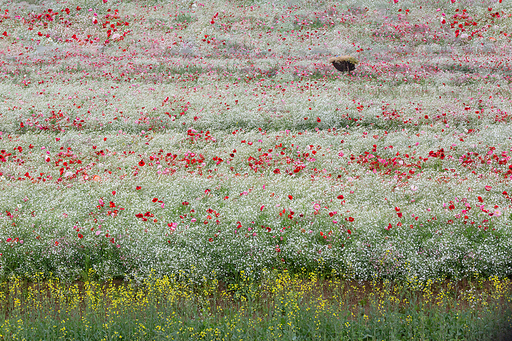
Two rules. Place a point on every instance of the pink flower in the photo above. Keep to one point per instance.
(488, 188)
(193, 220)
(497, 213)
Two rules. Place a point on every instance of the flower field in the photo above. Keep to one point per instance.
(205, 139)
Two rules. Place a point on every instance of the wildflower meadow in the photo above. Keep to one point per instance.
(192, 145)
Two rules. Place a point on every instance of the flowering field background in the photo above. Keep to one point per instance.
(203, 139)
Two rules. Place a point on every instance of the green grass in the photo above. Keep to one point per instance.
(275, 307)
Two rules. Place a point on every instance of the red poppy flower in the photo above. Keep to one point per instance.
(480, 199)
(399, 214)
(318, 119)
(397, 209)
(277, 171)
(113, 192)
(290, 197)
(340, 196)
(141, 163)
(155, 199)
(80, 236)
(138, 187)
(350, 219)
(349, 232)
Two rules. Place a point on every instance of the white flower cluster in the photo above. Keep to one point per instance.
(248, 150)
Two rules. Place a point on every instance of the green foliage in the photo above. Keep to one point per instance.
(276, 306)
